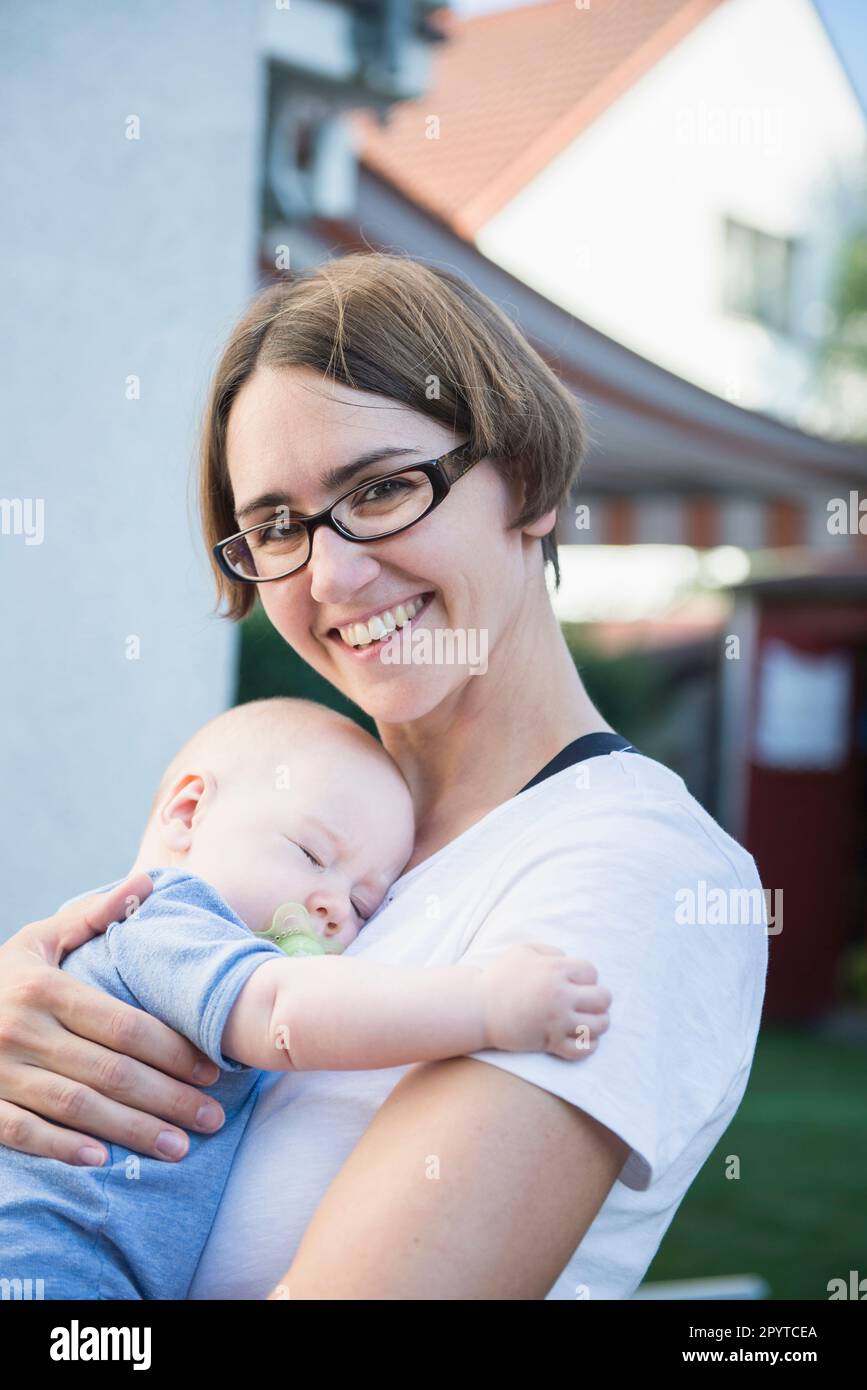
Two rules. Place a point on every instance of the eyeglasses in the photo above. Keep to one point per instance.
(371, 511)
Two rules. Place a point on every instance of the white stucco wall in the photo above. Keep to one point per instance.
(748, 116)
(119, 257)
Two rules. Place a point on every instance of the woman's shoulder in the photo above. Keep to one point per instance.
(625, 843)
(623, 801)
(629, 871)
(627, 778)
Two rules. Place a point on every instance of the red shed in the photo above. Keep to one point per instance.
(794, 791)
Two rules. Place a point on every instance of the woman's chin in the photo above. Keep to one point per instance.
(400, 699)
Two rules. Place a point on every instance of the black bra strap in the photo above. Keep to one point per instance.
(590, 746)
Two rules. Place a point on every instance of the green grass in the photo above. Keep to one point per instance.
(797, 1215)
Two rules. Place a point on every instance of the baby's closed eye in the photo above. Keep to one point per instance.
(304, 850)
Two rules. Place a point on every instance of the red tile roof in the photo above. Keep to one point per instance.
(512, 90)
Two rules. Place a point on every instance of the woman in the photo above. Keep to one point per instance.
(500, 1176)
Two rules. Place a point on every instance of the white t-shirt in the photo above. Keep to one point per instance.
(614, 861)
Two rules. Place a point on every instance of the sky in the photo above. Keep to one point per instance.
(846, 22)
(471, 7)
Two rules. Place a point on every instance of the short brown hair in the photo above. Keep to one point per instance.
(389, 324)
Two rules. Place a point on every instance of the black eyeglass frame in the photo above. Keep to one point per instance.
(441, 485)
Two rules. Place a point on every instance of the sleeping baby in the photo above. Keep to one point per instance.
(277, 831)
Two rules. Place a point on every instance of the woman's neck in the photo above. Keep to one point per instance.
(480, 746)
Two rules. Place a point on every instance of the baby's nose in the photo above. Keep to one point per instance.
(329, 911)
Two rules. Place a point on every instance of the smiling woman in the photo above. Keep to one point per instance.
(420, 338)
(376, 389)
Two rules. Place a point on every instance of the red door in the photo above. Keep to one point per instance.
(804, 825)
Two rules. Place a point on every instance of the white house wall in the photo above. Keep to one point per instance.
(624, 228)
(121, 258)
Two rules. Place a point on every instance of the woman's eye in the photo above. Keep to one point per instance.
(287, 535)
(389, 490)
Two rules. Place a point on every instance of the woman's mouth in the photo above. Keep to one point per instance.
(367, 639)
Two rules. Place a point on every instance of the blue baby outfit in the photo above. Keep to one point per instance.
(135, 1228)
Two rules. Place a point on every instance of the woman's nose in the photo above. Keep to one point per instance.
(338, 567)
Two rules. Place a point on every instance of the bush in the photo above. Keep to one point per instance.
(268, 666)
(630, 690)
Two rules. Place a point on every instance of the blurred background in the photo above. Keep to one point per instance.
(670, 198)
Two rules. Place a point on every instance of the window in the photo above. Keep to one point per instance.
(757, 275)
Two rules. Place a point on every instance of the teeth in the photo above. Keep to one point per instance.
(381, 625)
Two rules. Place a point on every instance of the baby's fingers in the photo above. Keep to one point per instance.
(572, 1047)
(580, 1037)
(592, 999)
(589, 1025)
(580, 972)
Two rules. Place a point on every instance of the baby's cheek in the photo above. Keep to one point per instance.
(348, 934)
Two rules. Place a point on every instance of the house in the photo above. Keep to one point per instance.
(681, 174)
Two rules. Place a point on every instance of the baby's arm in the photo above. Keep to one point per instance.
(339, 1013)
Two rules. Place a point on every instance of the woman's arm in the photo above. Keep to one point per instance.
(469, 1183)
(72, 1054)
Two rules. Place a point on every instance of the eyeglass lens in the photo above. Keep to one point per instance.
(370, 512)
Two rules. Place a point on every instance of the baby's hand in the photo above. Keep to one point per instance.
(537, 999)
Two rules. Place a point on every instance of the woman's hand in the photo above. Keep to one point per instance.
(72, 1054)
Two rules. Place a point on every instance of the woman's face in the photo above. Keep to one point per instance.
(287, 428)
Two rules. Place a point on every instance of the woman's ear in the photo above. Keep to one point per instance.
(182, 809)
(541, 526)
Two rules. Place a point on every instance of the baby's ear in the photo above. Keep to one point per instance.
(180, 808)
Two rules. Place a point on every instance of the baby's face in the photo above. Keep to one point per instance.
(330, 827)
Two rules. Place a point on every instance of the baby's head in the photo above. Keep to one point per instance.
(284, 801)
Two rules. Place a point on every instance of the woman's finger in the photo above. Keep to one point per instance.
(117, 1098)
(73, 1055)
(29, 1134)
(81, 1046)
(86, 1113)
(80, 1110)
(126, 1033)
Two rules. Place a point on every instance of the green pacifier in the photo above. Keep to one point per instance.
(292, 930)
